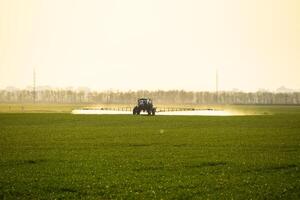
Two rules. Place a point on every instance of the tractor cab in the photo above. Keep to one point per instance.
(143, 102)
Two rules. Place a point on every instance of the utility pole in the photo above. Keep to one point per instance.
(217, 86)
(34, 86)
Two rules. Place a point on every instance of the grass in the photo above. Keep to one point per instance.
(64, 156)
(38, 108)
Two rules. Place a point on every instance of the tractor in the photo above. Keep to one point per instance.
(144, 105)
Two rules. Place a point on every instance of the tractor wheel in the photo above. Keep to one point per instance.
(153, 111)
(134, 112)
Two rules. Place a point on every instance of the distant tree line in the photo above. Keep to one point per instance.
(159, 97)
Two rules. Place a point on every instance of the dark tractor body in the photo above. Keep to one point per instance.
(144, 105)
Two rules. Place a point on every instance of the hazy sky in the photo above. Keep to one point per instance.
(151, 44)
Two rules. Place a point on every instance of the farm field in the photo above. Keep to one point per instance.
(64, 156)
(67, 108)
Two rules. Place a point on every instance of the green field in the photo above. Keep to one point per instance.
(64, 156)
